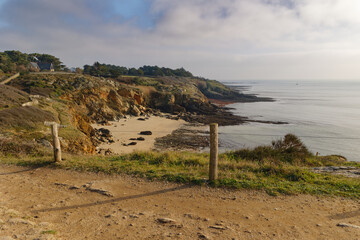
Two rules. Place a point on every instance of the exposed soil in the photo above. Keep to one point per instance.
(57, 204)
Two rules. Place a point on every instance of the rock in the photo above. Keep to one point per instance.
(141, 119)
(105, 132)
(203, 236)
(347, 225)
(218, 227)
(135, 111)
(29, 104)
(101, 191)
(132, 144)
(165, 220)
(133, 216)
(140, 139)
(146, 133)
(108, 152)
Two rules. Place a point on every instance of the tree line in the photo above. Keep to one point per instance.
(113, 71)
(16, 61)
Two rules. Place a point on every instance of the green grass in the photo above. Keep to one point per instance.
(53, 232)
(273, 176)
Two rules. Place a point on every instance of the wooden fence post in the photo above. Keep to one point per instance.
(56, 142)
(213, 166)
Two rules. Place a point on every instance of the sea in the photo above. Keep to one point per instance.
(324, 114)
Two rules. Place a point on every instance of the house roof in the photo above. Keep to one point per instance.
(34, 65)
(45, 66)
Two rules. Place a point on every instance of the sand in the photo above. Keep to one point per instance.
(37, 202)
(125, 129)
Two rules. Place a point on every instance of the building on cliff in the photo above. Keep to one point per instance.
(41, 66)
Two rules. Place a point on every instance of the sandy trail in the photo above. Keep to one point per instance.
(125, 129)
(33, 201)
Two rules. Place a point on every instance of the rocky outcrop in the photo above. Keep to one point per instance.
(107, 103)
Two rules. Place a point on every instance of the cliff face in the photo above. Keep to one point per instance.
(106, 103)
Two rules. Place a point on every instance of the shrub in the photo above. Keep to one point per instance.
(289, 149)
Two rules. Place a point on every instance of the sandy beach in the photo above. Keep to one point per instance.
(126, 129)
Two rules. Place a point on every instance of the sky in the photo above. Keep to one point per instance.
(217, 39)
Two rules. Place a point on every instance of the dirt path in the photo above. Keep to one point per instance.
(10, 78)
(36, 203)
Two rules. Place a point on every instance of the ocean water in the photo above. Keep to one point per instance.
(324, 114)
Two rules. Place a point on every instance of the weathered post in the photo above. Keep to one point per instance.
(56, 142)
(213, 168)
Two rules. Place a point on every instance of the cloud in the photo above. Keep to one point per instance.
(224, 39)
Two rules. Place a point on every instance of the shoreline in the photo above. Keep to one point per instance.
(124, 136)
(182, 132)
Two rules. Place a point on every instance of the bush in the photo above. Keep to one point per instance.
(289, 149)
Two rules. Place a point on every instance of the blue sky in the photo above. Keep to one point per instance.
(135, 9)
(220, 39)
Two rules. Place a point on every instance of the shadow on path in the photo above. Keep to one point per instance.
(20, 171)
(114, 200)
(345, 215)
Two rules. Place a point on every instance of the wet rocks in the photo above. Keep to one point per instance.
(103, 135)
(188, 137)
(145, 133)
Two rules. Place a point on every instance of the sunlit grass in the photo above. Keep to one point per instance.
(271, 175)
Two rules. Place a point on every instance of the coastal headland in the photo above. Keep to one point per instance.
(81, 101)
(133, 167)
